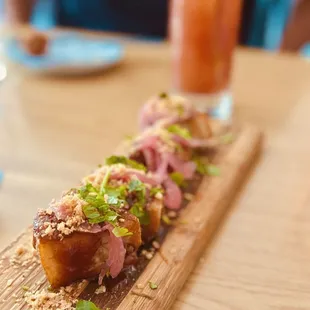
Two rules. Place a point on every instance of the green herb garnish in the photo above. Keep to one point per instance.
(213, 170)
(206, 168)
(121, 232)
(135, 186)
(25, 288)
(138, 188)
(155, 190)
(105, 181)
(152, 285)
(86, 305)
(180, 131)
(166, 219)
(177, 178)
(125, 161)
(97, 209)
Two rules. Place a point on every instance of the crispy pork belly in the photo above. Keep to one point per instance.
(82, 254)
(171, 109)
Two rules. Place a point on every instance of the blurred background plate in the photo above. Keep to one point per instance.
(69, 53)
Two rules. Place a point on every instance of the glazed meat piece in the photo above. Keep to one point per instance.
(95, 229)
(171, 109)
(86, 252)
(141, 192)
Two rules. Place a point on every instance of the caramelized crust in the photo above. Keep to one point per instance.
(79, 255)
(154, 210)
(198, 126)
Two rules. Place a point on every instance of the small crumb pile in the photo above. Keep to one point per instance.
(46, 300)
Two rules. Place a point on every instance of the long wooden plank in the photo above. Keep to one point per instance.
(20, 268)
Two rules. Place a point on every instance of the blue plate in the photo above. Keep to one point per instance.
(69, 53)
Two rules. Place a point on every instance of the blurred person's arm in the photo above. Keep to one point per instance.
(297, 32)
(18, 11)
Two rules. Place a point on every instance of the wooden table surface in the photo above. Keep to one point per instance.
(55, 130)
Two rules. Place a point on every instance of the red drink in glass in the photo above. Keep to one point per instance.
(203, 34)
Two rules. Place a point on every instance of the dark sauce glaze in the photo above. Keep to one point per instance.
(118, 288)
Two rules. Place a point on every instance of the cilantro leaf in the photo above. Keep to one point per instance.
(121, 232)
(125, 161)
(206, 169)
(86, 305)
(152, 285)
(177, 178)
(135, 186)
(91, 212)
(155, 190)
(166, 219)
(105, 181)
(180, 131)
(138, 210)
(213, 170)
(112, 200)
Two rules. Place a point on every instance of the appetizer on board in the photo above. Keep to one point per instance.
(172, 109)
(95, 229)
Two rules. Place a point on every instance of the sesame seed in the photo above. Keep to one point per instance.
(156, 244)
(149, 255)
(140, 285)
(172, 214)
(9, 282)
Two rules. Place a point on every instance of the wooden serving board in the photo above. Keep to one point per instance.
(179, 253)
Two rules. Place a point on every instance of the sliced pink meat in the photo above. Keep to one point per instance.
(186, 168)
(117, 253)
(173, 195)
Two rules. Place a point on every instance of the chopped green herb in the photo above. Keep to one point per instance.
(125, 161)
(25, 288)
(129, 137)
(99, 165)
(112, 200)
(86, 305)
(206, 169)
(121, 232)
(138, 210)
(163, 95)
(135, 185)
(152, 285)
(155, 190)
(177, 178)
(105, 181)
(91, 212)
(166, 219)
(180, 131)
(227, 138)
(97, 210)
(213, 170)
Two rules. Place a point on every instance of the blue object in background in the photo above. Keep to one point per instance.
(69, 49)
(1, 176)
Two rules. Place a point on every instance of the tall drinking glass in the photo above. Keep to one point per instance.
(203, 35)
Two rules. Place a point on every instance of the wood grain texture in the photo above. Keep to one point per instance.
(181, 248)
(184, 245)
(259, 259)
